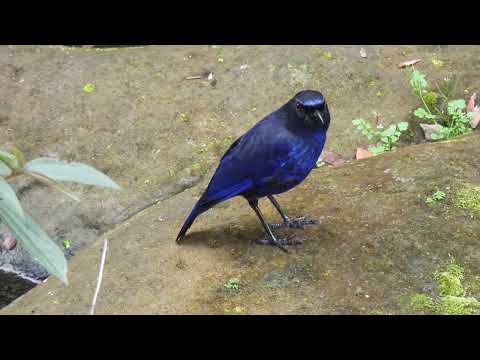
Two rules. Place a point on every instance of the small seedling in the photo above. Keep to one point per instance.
(327, 55)
(436, 196)
(451, 115)
(66, 244)
(88, 88)
(384, 139)
(232, 284)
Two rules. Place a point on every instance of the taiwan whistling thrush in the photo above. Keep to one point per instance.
(272, 157)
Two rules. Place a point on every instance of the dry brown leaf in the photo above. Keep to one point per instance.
(408, 63)
(331, 158)
(471, 103)
(363, 154)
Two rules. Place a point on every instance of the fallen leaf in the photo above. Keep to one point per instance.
(429, 129)
(471, 103)
(408, 63)
(363, 154)
(363, 53)
(195, 77)
(332, 158)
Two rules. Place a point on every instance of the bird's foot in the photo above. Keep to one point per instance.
(296, 223)
(280, 242)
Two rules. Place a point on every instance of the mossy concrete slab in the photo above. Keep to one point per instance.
(158, 134)
(378, 243)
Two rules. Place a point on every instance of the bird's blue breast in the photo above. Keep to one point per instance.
(291, 166)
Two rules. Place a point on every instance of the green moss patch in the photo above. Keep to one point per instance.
(468, 197)
(452, 300)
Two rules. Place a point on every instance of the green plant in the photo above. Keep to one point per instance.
(50, 172)
(458, 122)
(436, 196)
(384, 139)
(88, 88)
(232, 284)
(452, 299)
(450, 115)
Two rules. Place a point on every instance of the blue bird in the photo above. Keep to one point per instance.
(272, 157)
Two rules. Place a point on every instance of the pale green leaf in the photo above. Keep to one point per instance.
(37, 243)
(423, 114)
(76, 172)
(377, 149)
(402, 126)
(456, 105)
(9, 159)
(4, 169)
(8, 199)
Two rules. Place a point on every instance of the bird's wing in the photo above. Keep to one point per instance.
(256, 154)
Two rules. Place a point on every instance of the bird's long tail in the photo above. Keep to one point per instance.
(208, 201)
(197, 210)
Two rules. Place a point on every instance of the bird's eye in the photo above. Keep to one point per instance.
(299, 107)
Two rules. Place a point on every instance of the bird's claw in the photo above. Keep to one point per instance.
(280, 242)
(296, 223)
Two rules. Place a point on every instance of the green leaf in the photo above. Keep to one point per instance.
(358, 121)
(88, 88)
(390, 131)
(439, 195)
(423, 114)
(402, 126)
(418, 81)
(377, 149)
(8, 199)
(10, 160)
(4, 169)
(37, 243)
(456, 105)
(76, 172)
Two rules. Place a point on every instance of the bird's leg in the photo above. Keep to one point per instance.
(272, 239)
(296, 223)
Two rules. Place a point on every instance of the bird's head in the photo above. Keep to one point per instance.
(310, 107)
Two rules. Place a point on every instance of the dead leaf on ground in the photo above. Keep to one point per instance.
(408, 63)
(363, 154)
(332, 158)
(471, 107)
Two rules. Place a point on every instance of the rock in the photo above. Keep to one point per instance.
(429, 129)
